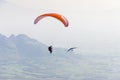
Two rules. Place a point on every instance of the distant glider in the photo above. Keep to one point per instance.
(54, 15)
(71, 49)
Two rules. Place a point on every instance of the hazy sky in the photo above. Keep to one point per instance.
(94, 24)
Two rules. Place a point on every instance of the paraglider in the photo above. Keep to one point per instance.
(57, 16)
(50, 49)
(54, 15)
(71, 49)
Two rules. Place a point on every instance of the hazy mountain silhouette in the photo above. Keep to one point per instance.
(2, 1)
(16, 47)
(21, 46)
(8, 49)
(28, 47)
(24, 58)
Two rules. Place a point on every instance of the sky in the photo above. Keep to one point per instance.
(93, 24)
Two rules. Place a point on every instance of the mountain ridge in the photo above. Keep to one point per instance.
(23, 46)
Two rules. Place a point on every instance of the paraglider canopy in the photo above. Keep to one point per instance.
(54, 15)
